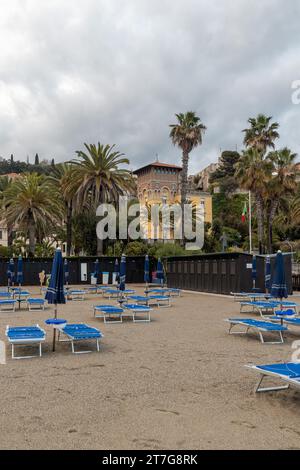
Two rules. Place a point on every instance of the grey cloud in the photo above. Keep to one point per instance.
(74, 71)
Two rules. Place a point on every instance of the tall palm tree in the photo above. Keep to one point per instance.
(32, 203)
(187, 134)
(98, 178)
(253, 172)
(282, 184)
(262, 133)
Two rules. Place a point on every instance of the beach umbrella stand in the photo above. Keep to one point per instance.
(279, 287)
(122, 285)
(254, 272)
(160, 272)
(147, 274)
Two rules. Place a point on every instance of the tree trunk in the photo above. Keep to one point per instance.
(31, 236)
(272, 213)
(260, 221)
(99, 247)
(184, 186)
(69, 228)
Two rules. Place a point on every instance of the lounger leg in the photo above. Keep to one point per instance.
(259, 389)
(98, 345)
(12, 351)
(40, 349)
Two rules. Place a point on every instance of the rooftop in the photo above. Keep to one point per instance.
(160, 165)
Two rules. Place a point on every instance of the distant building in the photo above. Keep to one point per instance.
(159, 183)
(201, 179)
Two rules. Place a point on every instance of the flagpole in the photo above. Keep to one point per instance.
(250, 223)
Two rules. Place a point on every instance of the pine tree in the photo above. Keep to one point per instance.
(36, 160)
(11, 159)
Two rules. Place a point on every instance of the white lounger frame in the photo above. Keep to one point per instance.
(257, 329)
(136, 313)
(72, 340)
(26, 342)
(35, 307)
(5, 306)
(264, 374)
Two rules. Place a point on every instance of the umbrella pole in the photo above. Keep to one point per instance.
(54, 329)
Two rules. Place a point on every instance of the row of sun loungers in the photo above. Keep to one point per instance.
(35, 336)
(277, 318)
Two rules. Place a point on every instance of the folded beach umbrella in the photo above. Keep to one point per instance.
(66, 271)
(96, 270)
(55, 292)
(147, 270)
(268, 273)
(117, 270)
(254, 271)
(20, 271)
(11, 272)
(122, 273)
(160, 271)
(279, 288)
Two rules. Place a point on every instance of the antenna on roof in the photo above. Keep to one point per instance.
(157, 158)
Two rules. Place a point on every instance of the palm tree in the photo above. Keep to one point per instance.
(187, 134)
(98, 178)
(262, 133)
(63, 178)
(32, 203)
(282, 184)
(253, 172)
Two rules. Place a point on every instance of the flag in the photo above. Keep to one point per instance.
(244, 214)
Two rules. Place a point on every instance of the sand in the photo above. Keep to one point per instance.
(176, 383)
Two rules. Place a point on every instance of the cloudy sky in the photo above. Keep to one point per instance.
(75, 71)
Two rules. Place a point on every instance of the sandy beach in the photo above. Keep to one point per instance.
(176, 383)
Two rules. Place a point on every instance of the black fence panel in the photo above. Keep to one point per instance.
(221, 273)
(80, 269)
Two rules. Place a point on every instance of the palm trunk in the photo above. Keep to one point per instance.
(272, 213)
(184, 185)
(69, 228)
(260, 221)
(31, 236)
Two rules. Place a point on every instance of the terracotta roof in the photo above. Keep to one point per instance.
(159, 165)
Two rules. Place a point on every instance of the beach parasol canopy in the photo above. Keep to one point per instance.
(147, 270)
(254, 271)
(268, 273)
(66, 271)
(122, 273)
(117, 270)
(279, 288)
(55, 292)
(11, 272)
(160, 271)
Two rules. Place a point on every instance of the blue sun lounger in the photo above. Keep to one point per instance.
(109, 313)
(259, 327)
(136, 311)
(8, 305)
(250, 296)
(80, 332)
(25, 336)
(288, 373)
(36, 304)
